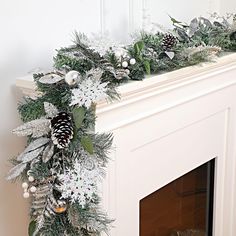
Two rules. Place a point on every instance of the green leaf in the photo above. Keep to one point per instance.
(31, 228)
(87, 144)
(147, 67)
(74, 139)
(78, 115)
(137, 50)
(138, 47)
(174, 21)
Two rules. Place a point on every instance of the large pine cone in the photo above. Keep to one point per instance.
(62, 130)
(168, 42)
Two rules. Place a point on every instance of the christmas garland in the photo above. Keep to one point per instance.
(65, 159)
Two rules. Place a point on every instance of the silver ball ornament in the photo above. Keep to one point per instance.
(72, 77)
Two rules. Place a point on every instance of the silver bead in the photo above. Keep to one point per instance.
(124, 64)
(31, 179)
(33, 189)
(26, 195)
(25, 185)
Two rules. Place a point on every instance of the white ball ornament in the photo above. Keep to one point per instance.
(124, 64)
(132, 61)
(72, 77)
(33, 189)
(31, 179)
(26, 195)
(25, 185)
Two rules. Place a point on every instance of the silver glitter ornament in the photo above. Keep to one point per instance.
(72, 77)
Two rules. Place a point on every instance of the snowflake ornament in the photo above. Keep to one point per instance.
(89, 91)
(79, 184)
(101, 43)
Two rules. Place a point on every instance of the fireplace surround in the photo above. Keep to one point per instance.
(164, 127)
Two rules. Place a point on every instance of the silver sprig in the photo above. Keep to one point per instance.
(50, 110)
(36, 128)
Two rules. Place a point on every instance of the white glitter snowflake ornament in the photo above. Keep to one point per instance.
(101, 43)
(79, 184)
(89, 91)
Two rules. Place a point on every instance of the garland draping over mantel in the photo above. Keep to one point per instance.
(65, 158)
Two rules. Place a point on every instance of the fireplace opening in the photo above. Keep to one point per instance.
(183, 207)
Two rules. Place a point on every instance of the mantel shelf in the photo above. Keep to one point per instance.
(136, 92)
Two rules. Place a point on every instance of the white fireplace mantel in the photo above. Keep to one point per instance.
(164, 127)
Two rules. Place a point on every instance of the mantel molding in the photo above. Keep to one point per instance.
(160, 88)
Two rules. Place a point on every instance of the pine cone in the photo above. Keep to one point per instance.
(168, 42)
(62, 130)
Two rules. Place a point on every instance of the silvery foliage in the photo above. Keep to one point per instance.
(90, 90)
(42, 205)
(41, 147)
(39, 127)
(30, 156)
(201, 22)
(50, 110)
(121, 74)
(16, 171)
(51, 78)
(36, 128)
(223, 21)
(185, 32)
(33, 151)
(94, 225)
(209, 51)
(48, 152)
(171, 54)
(79, 184)
(196, 24)
(40, 223)
(88, 161)
(34, 145)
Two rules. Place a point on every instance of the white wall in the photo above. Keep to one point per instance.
(31, 30)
